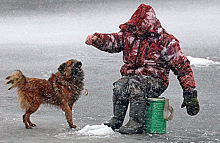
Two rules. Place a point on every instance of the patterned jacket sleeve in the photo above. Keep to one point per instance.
(180, 65)
(111, 43)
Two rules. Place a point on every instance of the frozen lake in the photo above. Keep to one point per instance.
(37, 37)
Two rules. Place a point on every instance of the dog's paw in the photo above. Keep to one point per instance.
(28, 127)
(33, 125)
(73, 126)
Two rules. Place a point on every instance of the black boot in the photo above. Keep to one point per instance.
(119, 110)
(135, 124)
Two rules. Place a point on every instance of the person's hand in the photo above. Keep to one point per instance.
(191, 102)
(90, 39)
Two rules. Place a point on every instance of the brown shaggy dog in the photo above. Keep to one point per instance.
(61, 89)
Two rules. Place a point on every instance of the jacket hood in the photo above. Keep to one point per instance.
(145, 18)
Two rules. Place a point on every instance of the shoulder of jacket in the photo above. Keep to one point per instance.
(166, 39)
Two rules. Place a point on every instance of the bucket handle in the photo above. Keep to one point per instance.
(166, 109)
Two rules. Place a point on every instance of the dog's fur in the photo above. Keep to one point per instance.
(61, 89)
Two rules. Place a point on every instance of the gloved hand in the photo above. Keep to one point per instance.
(191, 102)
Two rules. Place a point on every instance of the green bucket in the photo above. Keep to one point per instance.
(154, 121)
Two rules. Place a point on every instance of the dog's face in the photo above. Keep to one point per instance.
(72, 68)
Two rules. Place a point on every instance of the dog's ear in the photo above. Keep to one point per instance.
(62, 67)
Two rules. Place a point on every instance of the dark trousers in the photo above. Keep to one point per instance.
(137, 87)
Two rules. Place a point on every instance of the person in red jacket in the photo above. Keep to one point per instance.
(149, 53)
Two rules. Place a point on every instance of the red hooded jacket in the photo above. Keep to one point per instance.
(153, 54)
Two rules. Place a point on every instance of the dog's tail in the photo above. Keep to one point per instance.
(17, 79)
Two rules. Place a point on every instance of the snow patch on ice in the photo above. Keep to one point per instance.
(96, 130)
(93, 131)
(200, 62)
